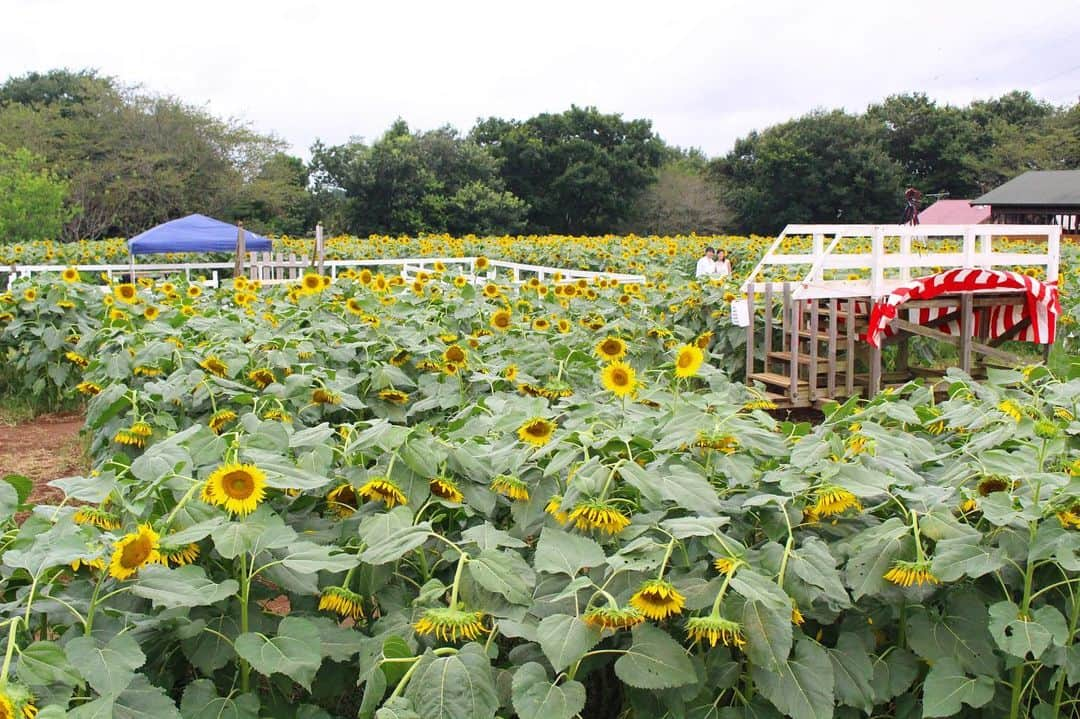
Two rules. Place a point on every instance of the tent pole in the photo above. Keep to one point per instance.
(238, 269)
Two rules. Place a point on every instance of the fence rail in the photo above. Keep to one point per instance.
(888, 268)
(275, 268)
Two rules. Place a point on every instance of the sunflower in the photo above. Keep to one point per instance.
(540, 324)
(762, 404)
(510, 373)
(239, 488)
(30, 294)
(342, 500)
(134, 551)
(384, 490)
(221, 418)
(510, 487)
(16, 701)
(324, 396)
(393, 396)
(704, 339)
(1010, 408)
(262, 377)
(727, 565)
(365, 276)
(832, 500)
(126, 293)
(658, 599)
(450, 625)
(726, 443)
(482, 263)
(214, 366)
(126, 437)
(1064, 414)
(611, 349)
(276, 415)
(77, 359)
(454, 354)
(554, 508)
(88, 388)
(619, 378)
(905, 574)
(797, 617)
(598, 514)
(70, 274)
(178, 556)
(342, 601)
(311, 284)
(536, 431)
(399, 358)
(613, 618)
(501, 320)
(715, 630)
(445, 488)
(556, 389)
(97, 517)
(993, 483)
(1070, 517)
(688, 361)
(563, 325)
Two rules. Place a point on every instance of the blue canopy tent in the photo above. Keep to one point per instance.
(195, 233)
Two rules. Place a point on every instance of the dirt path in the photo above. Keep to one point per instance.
(43, 449)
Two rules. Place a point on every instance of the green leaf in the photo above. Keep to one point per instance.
(201, 701)
(686, 488)
(186, 586)
(397, 708)
(459, 686)
(965, 557)
(86, 489)
(109, 669)
(535, 697)
(958, 632)
(308, 558)
(43, 663)
(390, 535)
(487, 536)
(876, 548)
(947, 687)
(853, 672)
(768, 633)
(294, 651)
(340, 643)
(654, 661)
(565, 639)
(560, 552)
(260, 531)
(803, 687)
(22, 485)
(1022, 636)
(504, 573)
(894, 673)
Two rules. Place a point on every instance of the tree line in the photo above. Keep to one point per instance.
(85, 156)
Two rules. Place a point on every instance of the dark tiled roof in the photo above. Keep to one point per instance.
(1048, 188)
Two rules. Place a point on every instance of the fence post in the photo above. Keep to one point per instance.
(320, 249)
(241, 242)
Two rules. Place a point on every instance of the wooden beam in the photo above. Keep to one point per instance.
(849, 375)
(812, 376)
(768, 322)
(1010, 333)
(796, 322)
(967, 321)
(830, 377)
(751, 321)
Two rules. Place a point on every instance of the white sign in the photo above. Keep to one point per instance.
(740, 316)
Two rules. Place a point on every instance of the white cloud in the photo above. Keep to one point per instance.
(704, 72)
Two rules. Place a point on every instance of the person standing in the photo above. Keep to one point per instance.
(723, 264)
(706, 265)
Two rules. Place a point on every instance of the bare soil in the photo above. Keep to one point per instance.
(43, 449)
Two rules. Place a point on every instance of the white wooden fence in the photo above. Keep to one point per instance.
(272, 268)
(892, 255)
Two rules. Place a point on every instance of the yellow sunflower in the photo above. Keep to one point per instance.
(613, 618)
(126, 293)
(598, 514)
(511, 487)
(393, 396)
(262, 377)
(611, 349)
(134, 551)
(239, 488)
(324, 396)
(454, 354)
(501, 320)
(445, 488)
(715, 630)
(451, 625)
(342, 601)
(833, 500)
(619, 378)
(658, 599)
(536, 431)
(383, 489)
(70, 274)
(688, 361)
(905, 574)
(214, 366)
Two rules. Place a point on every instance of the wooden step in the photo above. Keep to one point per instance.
(777, 380)
(804, 360)
(822, 336)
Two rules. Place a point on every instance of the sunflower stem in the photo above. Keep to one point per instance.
(183, 500)
(664, 561)
(8, 652)
(245, 591)
(457, 579)
(720, 596)
(920, 555)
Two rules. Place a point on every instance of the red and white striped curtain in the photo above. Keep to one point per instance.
(1042, 306)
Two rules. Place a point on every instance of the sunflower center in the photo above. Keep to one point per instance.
(537, 429)
(238, 484)
(135, 553)
(619, 378)
(685, 360)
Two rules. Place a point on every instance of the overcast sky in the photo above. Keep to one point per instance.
(705, 73)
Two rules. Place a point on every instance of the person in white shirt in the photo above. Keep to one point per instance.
(723, 264)
(707, 265)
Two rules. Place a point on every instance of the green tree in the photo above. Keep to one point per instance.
(277, 199)
(580, 171)
(681, 201)
(822, 167)
(413, 182)
(132, 159)
(31, 198)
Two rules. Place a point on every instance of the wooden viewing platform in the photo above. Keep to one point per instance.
(805, 338)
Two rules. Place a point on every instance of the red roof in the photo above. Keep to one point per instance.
(954, 212)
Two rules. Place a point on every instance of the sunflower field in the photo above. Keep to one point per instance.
(367, 498)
